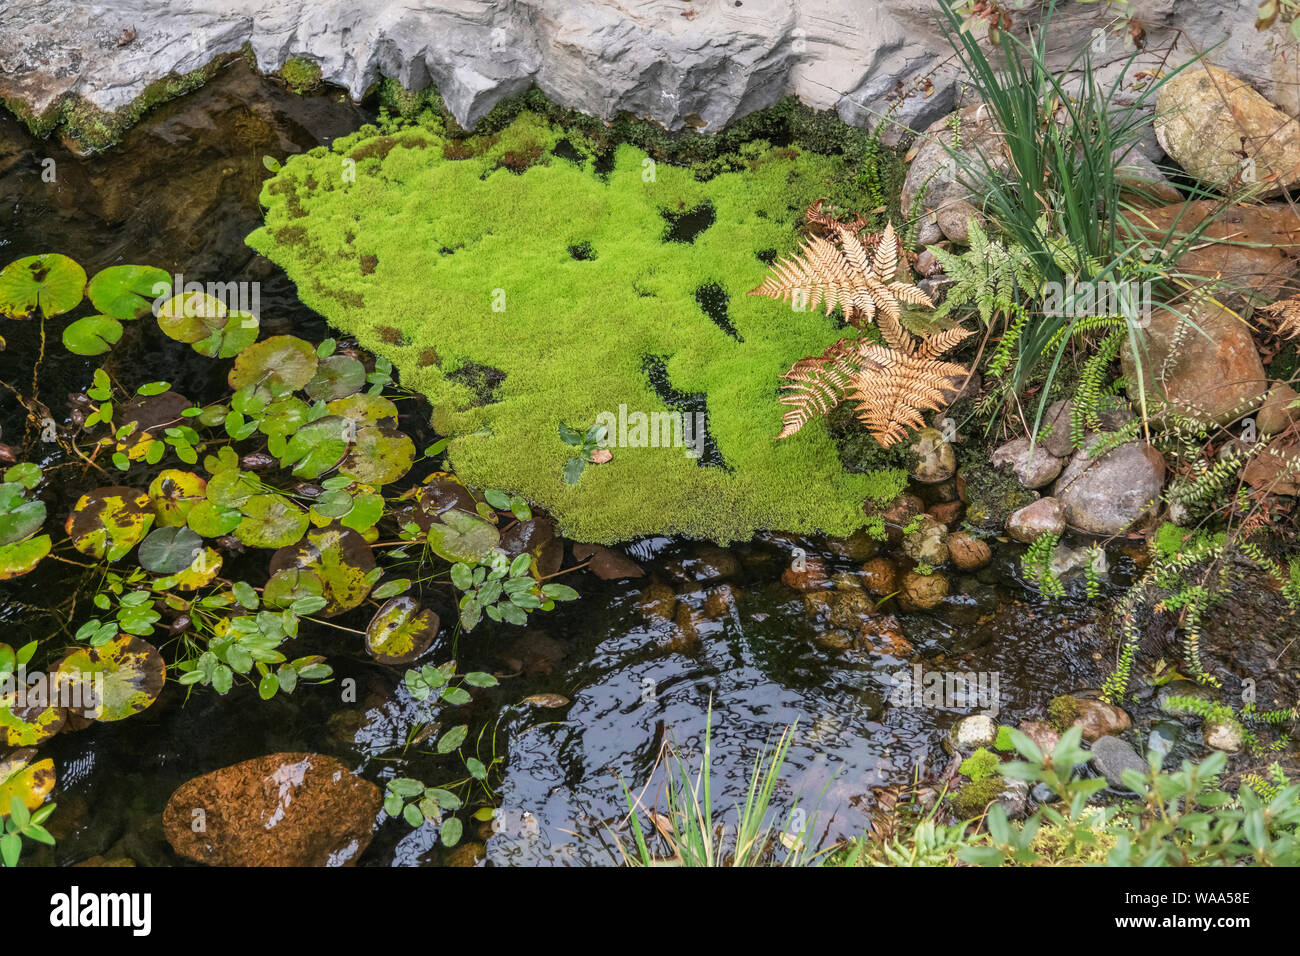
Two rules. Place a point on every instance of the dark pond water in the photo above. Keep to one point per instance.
(181, 192)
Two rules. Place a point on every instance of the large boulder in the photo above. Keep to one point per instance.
(286, 809)
(1204, 365)
(1111, 494)
(1031, 522)
(1207, 118)
(1035, 467)
(1251, 249)
(935, 178)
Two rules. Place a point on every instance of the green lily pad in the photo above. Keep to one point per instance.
(20, 777)
(169, 550)
(379, 456)
(401, 631)
(239, 332)
(92, 335)
(29, 724)
(365, 514)
(50, 282)
(108, 522)
(213, 520)
(283, 360)
(460, 536)
(22, 556)
(128, 292)
(118, 679)
(282, 417)
(191, 317)
(271, 521)
(341, 559)
(173, 493)
(230, 489)
(317, 447)
(19, 517)
(337, 376)
(364, 409)
(289, 584)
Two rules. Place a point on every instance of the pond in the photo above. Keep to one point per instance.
(635, 662)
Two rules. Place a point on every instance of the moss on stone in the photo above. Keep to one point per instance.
(979, 765)
(300, 74)
(90, 129)
(973, 798)
(469, 239)
(1062, 711)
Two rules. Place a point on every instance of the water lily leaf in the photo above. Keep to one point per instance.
(191, 317)
(380, 456)
(169, 550)
(92, 335)
(149, 415)
(20, 777)
(365, 514)
(230, 489)
(284, 416)
(460, 536)
(271, 521)
(401, 631)
(213, 520)
(19, 517)
(22, 556)
(127, 292)
(26, 473)
(364, 409)
(317, 447)
(108, 522)
(340, 558)
(283, 360)
(289, 585)
(239, 332)
(117, 680)
(50, 282)
(337, 376)
(29, 724)
(173, 493)
(200, 573)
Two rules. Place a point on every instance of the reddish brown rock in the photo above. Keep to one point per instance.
(1250, 248)
(1276, 415)
(286, 809)
(1041, 734)
(807, 574)
(947, 513)
(607, 564)
(1274, 469)
(719, 601)
(968, 552)
(880, 577)
(921, 592)
(1099, 719)
(897, 516)
(657, 601)
(884, 635)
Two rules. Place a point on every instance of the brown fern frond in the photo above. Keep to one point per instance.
(892, 384)
(1287, 316)
(935, 345)
(819, 383)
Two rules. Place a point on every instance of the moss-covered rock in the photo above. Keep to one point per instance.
(462, 244)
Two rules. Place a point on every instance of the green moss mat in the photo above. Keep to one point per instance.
(441, 256)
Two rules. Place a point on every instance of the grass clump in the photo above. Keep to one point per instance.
(464, 245)
(300, 74)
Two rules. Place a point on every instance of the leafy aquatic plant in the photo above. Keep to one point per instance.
(301, 460)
